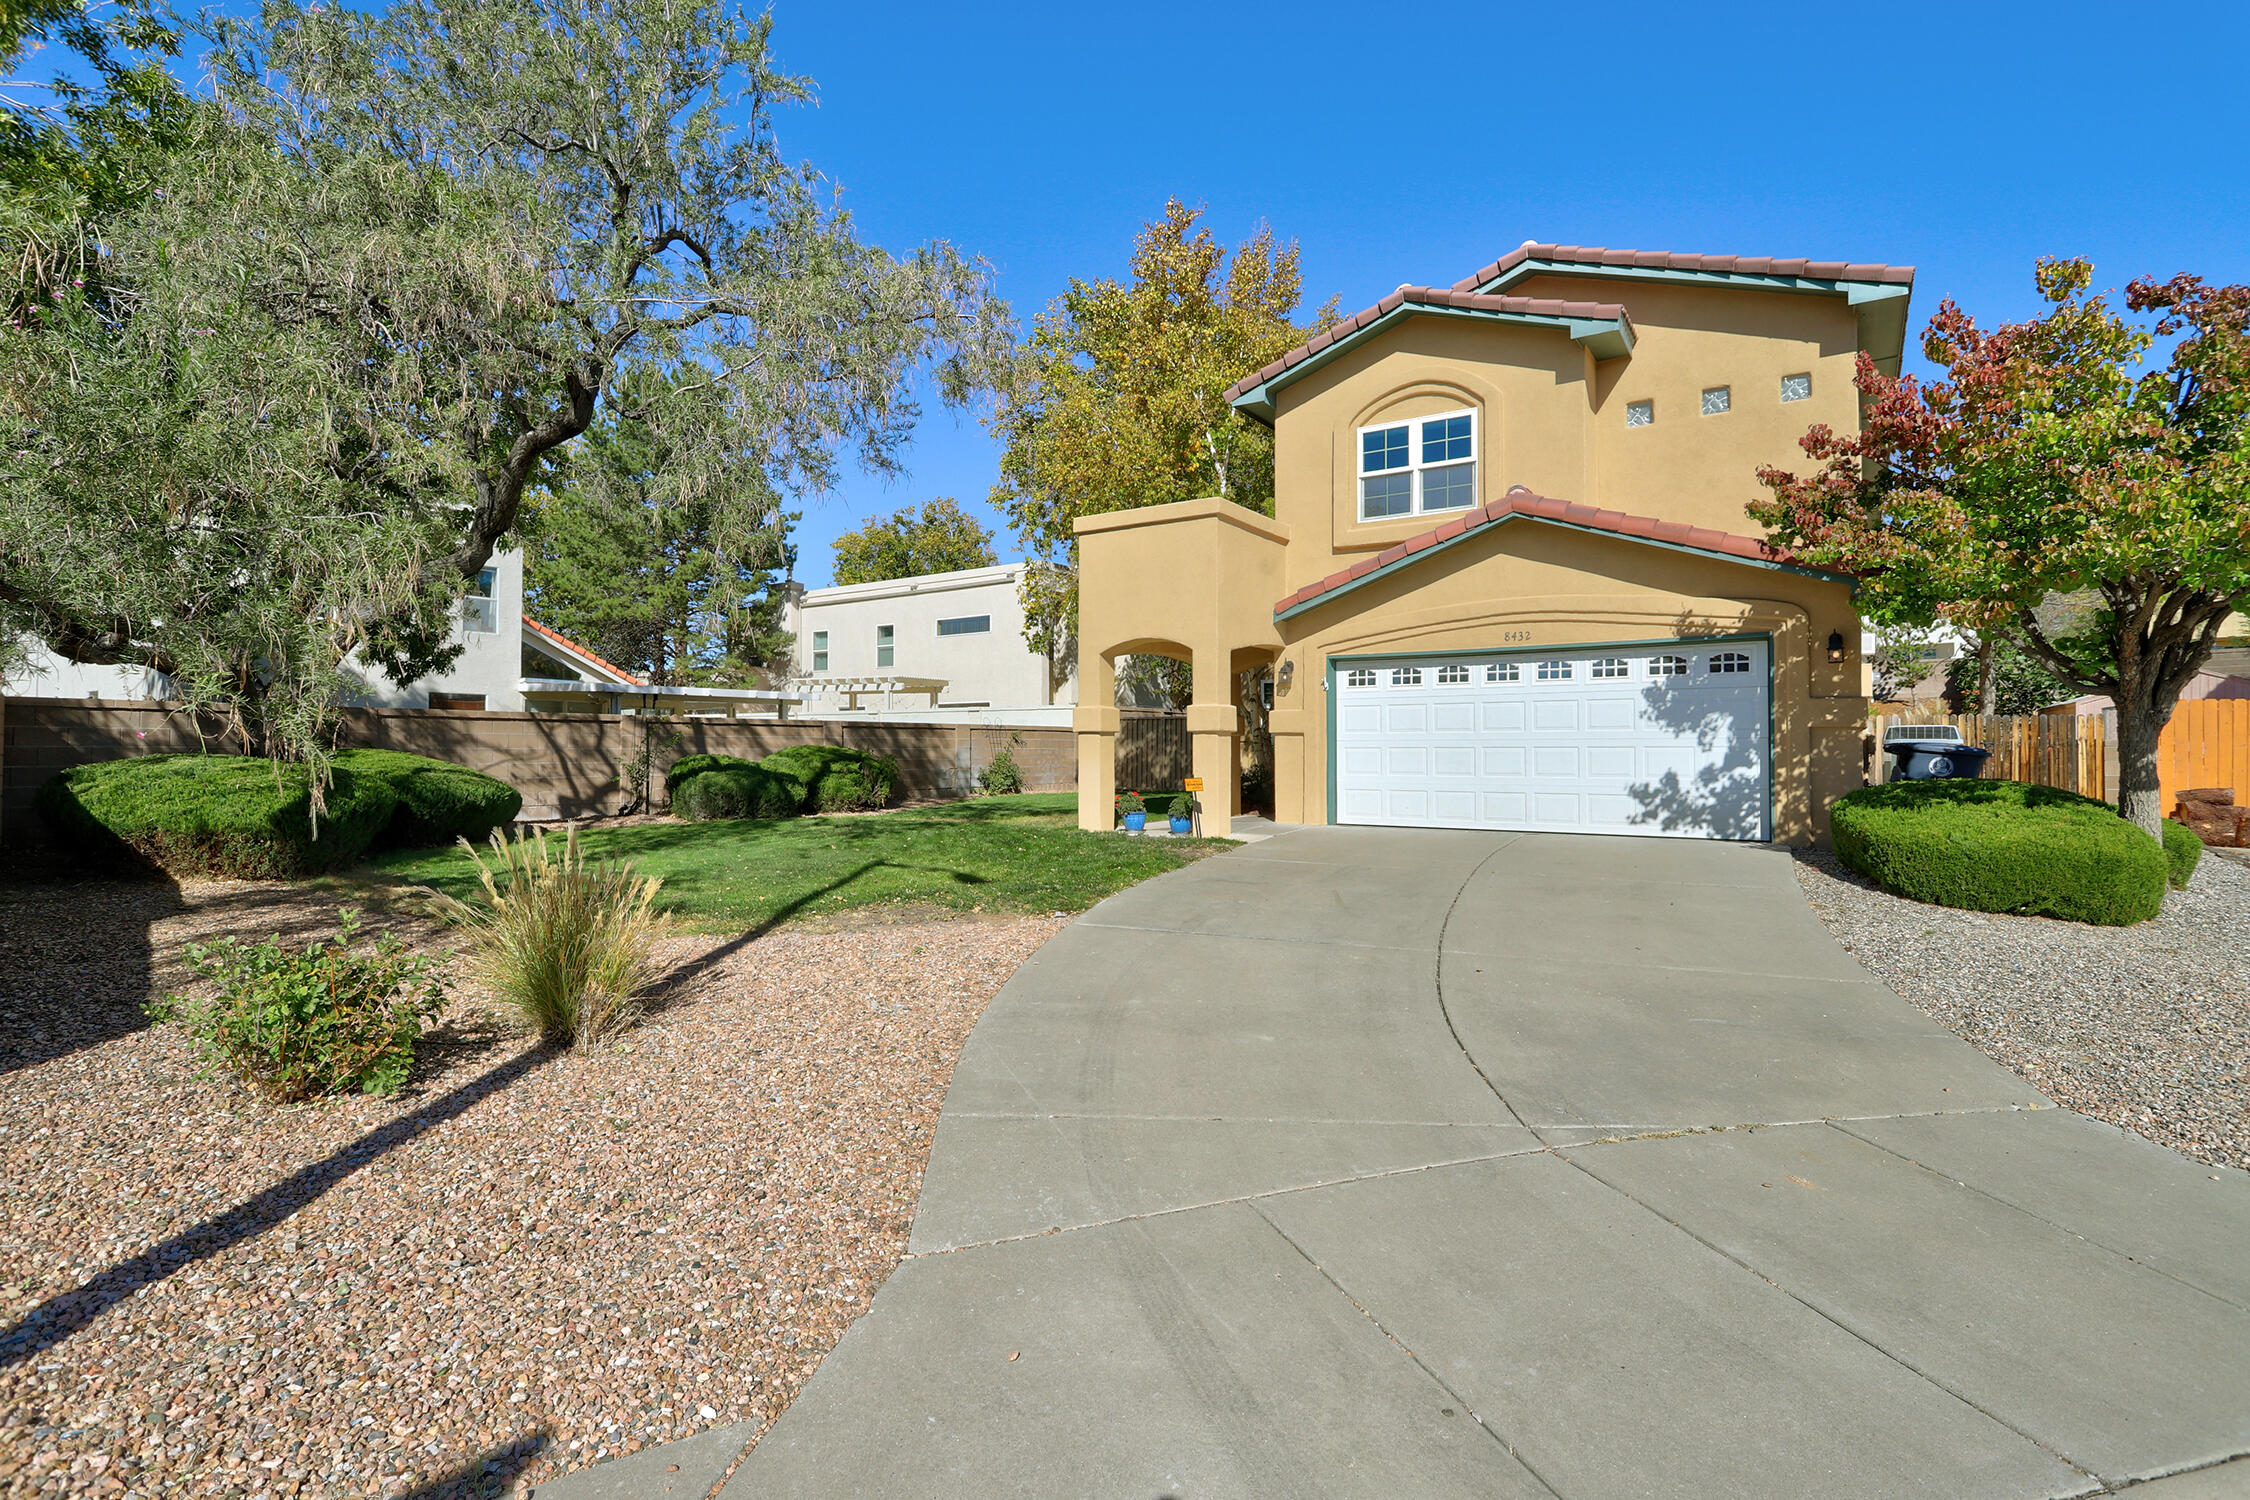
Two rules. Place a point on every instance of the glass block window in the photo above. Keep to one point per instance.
(1640, 413)
(1503, 671)
(1729, 661)
(1796, 387)
(1718, 400)
(1406, 677)
(1667, 666)
(820, 651)
(1611, 666)
(885, 638)
(1453, 674)
(1411, 468)
(965, 625)
(1360, 677)
(1554, 671)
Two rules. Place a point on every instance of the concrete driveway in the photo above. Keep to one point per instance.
(1388, 1163)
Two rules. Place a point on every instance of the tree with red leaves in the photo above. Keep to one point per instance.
(2045, 461)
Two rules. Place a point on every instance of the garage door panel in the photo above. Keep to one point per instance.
(1455, 760)
(1502, 718)
(1611, 713)
(1454, 807)
(1361, 718)
(1611, 813)
(1407, 806)
(1612, 762)
(1504, 760)
(1453, 718)
(1560, 761)
(1555, 713)
(1555, 808)
(1505, 808)
(1407, 718)
(1362, 760)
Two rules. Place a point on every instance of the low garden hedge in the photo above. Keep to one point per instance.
(2182, 852)
(689, 765)
(234, 816)
(731, 788)
(436, 801)
(2003, 846)
(836, 779)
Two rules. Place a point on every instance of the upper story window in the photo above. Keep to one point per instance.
(1418, 467)
(885, 636)
(1718, 400)
(1796, 387)
(965, 625)
(1640, 413)
(820, 651)
(480, 612)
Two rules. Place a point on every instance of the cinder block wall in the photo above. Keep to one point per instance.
(566, 765)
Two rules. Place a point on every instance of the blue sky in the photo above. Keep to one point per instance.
(1415, 143)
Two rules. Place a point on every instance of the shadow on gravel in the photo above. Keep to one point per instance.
(488, 1474)
(65, 1313)
(76, 963)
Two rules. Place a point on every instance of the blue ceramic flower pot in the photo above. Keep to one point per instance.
(1182, 826)
(1135, 822)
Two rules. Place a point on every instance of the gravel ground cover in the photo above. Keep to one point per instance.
(2147, 1027)
(522, 1265)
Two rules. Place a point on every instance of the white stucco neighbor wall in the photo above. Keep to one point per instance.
(990, 668)
(490, 662)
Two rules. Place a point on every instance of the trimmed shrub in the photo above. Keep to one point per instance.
(2002, 846)
(2183, 851)
(1001, 777)
(437, 801)
(836, 779)
(571, 946)
(738, 789)
(233, 816)
(691, 765)
(326, 1019)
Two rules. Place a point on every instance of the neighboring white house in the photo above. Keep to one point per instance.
(939, 645)
(484, 676)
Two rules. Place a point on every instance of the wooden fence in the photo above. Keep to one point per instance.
(1152, 751)
(2206, 744)
(2069, 751)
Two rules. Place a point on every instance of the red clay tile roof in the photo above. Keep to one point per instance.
(1428, 296)
(1594, 256)
(617, 673)
(1522, 502)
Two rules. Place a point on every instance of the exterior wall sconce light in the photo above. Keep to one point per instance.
(1288, 670)
(1836, 646)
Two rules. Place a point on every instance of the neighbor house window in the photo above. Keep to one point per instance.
(884, 636)
(471, 703)
(480, 612)
(1717, 400)
(1796, 387)
(1640, 413)
(966, 625)
(1409, 468)
(820, 651)
(1730, 661)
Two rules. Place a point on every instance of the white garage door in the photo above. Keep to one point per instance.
(1665, 740)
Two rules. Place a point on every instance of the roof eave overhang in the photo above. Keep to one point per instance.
(1604, 338)
(1881, 305)
(1412, 558)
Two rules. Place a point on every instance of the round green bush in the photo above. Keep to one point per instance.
(2183, 851)
(738, 789)
(836, 779)
(2002, 846)
(437, 801)
(690, 765)
(228, 815)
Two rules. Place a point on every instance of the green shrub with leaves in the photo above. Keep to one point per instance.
(331, 1017)
(570, 945)
(436, 801)
(2002, 846)
(234, 816)
(2183, 851)
(1001, 777)
(837, 779)
(692, 765)
(738, 789)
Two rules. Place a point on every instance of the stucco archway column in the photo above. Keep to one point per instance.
(1213, 725)
(1095, 720)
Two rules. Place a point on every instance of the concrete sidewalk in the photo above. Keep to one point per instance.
(1428, 1163)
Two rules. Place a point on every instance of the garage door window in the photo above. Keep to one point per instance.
(1360, 677)
(1667, 666)
(1554, 671)
(1730, 661)
(1453, 674)
(1420, 467)
(1503, 671)
(1407, 677)
(1611, 666)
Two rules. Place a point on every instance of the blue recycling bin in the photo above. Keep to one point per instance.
(1934, 760)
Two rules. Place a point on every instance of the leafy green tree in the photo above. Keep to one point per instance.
(2043, 462)
(380, 292)
(677, 593)
(2012, 681)
(939, 538)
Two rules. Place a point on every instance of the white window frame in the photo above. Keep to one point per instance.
(820, 651)
(1360, 677)
(1414, 467)
(886, 646)
(480, 610)
(1728, 663)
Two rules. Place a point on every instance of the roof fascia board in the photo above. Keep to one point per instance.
(1412, 558)
(1609, 338)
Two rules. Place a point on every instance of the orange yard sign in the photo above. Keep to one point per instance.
(1193, 784)
(2206, 744)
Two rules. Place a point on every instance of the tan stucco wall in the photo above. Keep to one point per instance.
(1523, 584)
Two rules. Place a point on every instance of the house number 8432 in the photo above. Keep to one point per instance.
(1515, 635)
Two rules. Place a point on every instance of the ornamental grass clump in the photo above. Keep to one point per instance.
(328, 1018)
(571, 945)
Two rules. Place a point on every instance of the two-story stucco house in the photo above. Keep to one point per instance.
(1510, 580)
(936, 640)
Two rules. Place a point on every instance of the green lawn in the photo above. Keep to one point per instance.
(1001, 854)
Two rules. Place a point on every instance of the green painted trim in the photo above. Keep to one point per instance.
(1393, 566)
(1773, 666)
(1763, 280)
(1257, 402)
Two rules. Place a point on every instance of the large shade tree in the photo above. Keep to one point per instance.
(406, 259)
(939, 537)
(2050, 457)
